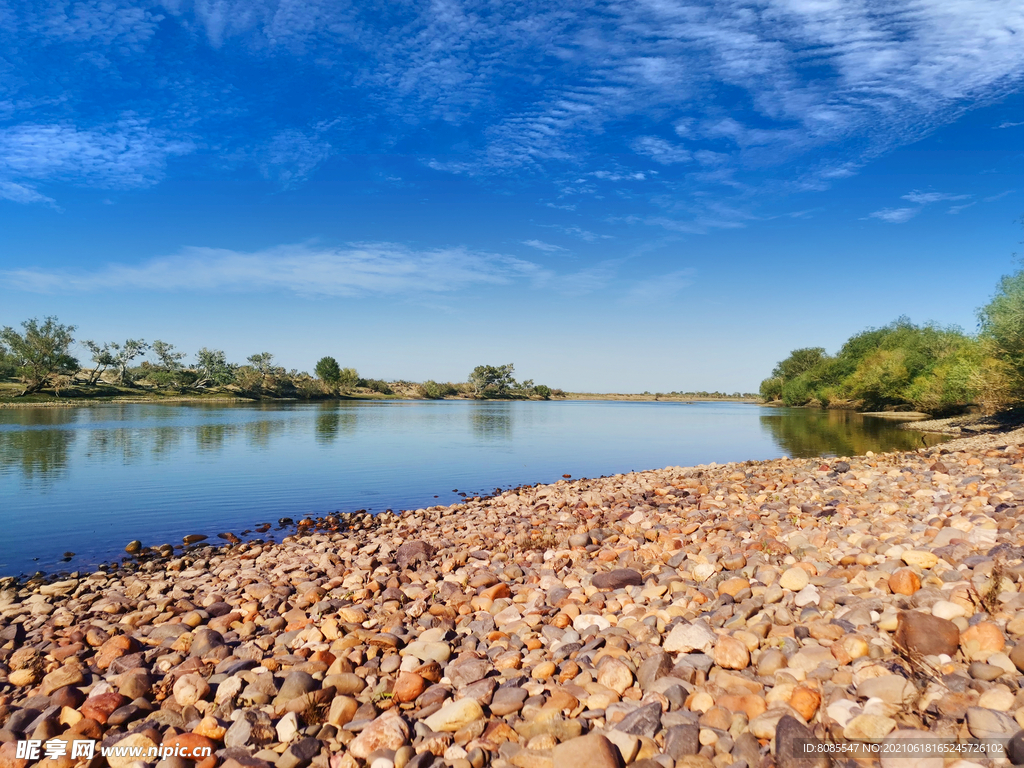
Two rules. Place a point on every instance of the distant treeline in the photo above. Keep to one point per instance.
(39, 357)
(927, 368)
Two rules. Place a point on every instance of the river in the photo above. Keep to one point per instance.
(88, 480)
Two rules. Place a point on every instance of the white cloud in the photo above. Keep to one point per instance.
(291, 156)
(954, 209)
(1009, 125)
(895, 215)
(540, 245)
(924, 198)
(19, 193)
(360, 269)
(661, 151)
(122, 155)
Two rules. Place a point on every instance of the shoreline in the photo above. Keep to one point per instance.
(688, 617)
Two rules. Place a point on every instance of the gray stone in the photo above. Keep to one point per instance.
(655, 666)
(681, 740)
(644, 721)
(617, 579)
(789, 734)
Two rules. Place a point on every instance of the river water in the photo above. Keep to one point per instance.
(88, 480)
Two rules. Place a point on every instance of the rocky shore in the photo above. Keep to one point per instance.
(706, 617)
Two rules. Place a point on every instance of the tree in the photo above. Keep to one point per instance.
(491, 380)
(348, 378)
(41, 352)
(213, 368)
(101, 357)
(328, 371)
(167, 357)
(7, 367)
(123, 355)
(1002, 326)
(799, 361)
(262, 363)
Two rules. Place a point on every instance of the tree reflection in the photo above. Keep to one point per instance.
(490, 423)
(210, 437)
(810, 432)
(258, 433)
(36, 453)
(331, 423)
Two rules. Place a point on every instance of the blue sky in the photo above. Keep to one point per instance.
(615, 196)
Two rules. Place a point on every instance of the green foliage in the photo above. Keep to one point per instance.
(7, 365)
(771, 389)
(1002, 328)
(41, 354)
(799, 361)
(926, 367)
(212, 368)
(102, 358)
(123, 354)
(376, 385)
(167, 356)
(328, 371)
(542, 390)
(491, 380)
(432, 390)
(348, 378)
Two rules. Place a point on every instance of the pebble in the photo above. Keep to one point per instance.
(682, 617)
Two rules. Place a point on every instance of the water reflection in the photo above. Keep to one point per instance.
(36, 454)
(165, 440)
(489, 423)
(332, 423)
(811, 432)
(259, 433)
(210, 438)
(114, 443)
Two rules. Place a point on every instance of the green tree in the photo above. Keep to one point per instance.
(213, 368)
(102, 359)
(263, 364)
(1002, 327)
(799, 361)
(123, 354)
(167, 356)
(41, 353)
(328, 371)
(492, 380)
(7, 366)
(348, 378)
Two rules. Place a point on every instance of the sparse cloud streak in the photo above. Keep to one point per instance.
(357, 270)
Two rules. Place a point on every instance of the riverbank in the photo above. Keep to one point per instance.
(658, 397)
(700, 617)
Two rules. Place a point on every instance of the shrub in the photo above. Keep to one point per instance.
(432, 390)
(543, 390)
(328, 371)
(377, 385)
(771, 389)
(1002, 328)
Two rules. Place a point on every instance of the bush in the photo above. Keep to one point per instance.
(432, 390)
(927, 367)
(328, 371)
(543, 390)
(376, 385)
(771, 389)
(1002, 328)
(348, 378)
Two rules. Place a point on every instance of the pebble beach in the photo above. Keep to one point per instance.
(715, 616)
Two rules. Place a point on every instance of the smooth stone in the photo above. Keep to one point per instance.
(592, 751)
(685, 638)
(455, 715)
